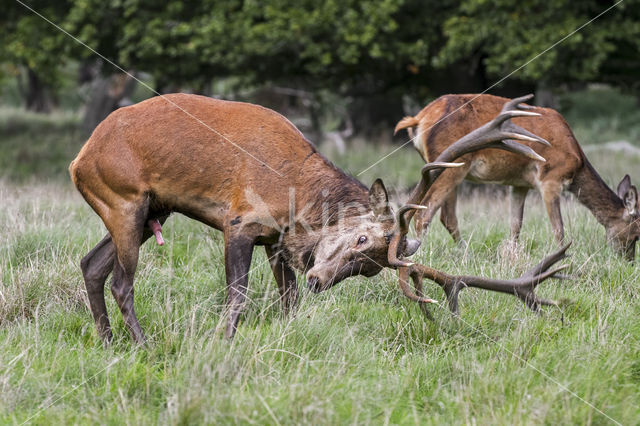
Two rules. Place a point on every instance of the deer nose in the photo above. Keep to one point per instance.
(411, 247)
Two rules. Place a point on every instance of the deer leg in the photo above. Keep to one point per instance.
(518, 197)
(237, 262)
(286, 280)
(96, 267)
(439, 192)
(127, 228)
(551, 196)
(449, 219)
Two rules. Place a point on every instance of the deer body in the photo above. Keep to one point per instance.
(260, 178)
(566, 167)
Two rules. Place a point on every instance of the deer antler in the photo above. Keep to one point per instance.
(523, 287)
(498, 133)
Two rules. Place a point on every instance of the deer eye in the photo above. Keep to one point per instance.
(362, 240)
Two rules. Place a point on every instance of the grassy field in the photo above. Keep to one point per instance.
(359, 353)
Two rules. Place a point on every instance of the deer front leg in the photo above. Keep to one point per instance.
(551, 195)
(237, 262)
(286, 280)
(449, 218)
(518, 198)
(437, 195)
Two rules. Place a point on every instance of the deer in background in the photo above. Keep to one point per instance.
(566, 167)
(228, 165)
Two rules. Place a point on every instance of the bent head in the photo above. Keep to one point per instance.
(624, 232)
(358, 245)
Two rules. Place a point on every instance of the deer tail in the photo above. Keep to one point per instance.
(406, 123)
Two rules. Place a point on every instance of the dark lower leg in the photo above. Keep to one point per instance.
(286, 280)
(518, 197)
(553, 210)
(122, 290)
(448, 216)
(237, 259)
(96, 267)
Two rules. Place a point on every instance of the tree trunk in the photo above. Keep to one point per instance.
(545, 97)
(107, 95)
(373, 116)
(37, 96)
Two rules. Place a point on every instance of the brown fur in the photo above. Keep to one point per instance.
(450, 117)
(148, 160)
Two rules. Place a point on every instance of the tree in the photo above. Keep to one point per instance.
(509, 33)
(352, 48)
(35, 48)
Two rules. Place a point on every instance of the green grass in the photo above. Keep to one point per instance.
(358, 353)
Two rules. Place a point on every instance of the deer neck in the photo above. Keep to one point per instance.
(596, 195)
(324, 197)
(325, 194)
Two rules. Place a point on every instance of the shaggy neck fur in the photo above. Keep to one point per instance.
(325, 195)
(594, 193)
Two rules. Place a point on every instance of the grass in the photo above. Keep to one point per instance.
(359, 353)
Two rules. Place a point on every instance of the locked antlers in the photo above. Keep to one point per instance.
(499, 133)
(522, 287)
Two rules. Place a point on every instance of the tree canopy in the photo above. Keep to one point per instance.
(349, 47)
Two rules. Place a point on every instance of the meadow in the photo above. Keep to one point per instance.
(359, 353)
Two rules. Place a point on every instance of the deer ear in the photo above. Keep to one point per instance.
(631, 200)
(379, 199)
(624, 186)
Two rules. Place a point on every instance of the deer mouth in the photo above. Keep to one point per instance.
(314, 284)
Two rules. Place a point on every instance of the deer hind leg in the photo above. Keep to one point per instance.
(286, 280)
(551, 196)
(437, 195)
(127, 227)
(518, 198)
(96, 267)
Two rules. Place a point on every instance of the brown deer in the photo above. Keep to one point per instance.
(247, 171)
(449, 117)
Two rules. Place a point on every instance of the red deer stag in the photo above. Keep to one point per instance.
(450, 117)
(231, 166)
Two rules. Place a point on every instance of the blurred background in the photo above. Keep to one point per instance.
(343, 71)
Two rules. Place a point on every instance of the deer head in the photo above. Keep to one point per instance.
(624, 231)
(357, 244)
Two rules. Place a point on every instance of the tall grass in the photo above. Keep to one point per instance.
(359, 353)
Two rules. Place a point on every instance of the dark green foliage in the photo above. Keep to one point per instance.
(355, 48)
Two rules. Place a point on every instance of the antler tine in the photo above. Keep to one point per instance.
(402, 228)
(406, 289)
(402, 223)
(515, 147)
(515, 103)
(405, 213)
(522, 287)
(545, 263)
